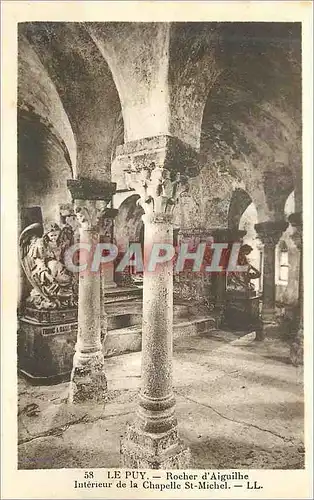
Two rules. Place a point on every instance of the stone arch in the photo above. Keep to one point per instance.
(84, 80)
(28, 114)
(287, 259)
(289, 207)
(247, 221)
(240, 200)
(128, 222)
(137, 54)
(251, 120)
(44, 165)
(278, 184)
(42, 99)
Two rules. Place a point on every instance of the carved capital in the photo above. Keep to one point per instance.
(90, 214)
(270, 232)
(158, 218)
(106, 223)
(90, 202)
(158, 192)
(167, 152)
(297, 225)
(228, 235)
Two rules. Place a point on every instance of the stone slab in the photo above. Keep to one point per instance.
(52, 316)
(45, 352)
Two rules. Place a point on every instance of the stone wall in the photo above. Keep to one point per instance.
(43, 169)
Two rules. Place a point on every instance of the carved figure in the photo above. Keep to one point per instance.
(242, 281)
(42, 259)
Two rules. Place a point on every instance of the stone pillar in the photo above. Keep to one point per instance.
(269, 233)
(152, 441)
(156, 401)
(106, 236)
(296, 351)
(88, 380)
(219, 280)
(107, 269)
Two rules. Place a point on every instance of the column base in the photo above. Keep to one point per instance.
(296, 349)
(145, 450)
(88, 381)
(268, 327)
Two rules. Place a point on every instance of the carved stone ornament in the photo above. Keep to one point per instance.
(297, 225)
(90, 213)
(42, 258)
(158, 193)
(270, 232)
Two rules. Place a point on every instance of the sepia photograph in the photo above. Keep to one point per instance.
(159, 242)
(167, 132)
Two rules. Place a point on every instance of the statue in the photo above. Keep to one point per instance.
(242, 281)
(42, 259)
(242, 310)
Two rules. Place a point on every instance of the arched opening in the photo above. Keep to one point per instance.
(239, 203)
(282, 264)
(289, 207)
(247, 223)
(287, 262)
(43, 168)
(283, 249)
(243, 289)
(37, 95)
(128, 229)
(84, 82)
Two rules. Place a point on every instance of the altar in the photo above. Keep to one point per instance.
(242, 299)
(46, 342)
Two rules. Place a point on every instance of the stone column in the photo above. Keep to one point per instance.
(107, 269)
(88, 380)
(156, 401)
(152, 441)
(219, 280)
(296, 351)
(269, 233)
(106, 236)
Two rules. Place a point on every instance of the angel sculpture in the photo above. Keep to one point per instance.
(42, 259)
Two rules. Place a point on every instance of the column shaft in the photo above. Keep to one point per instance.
(269, 233)
(152, 441)
(88, 339)
(156, 390)
(269, 288)
(88, 380)
(297, 349)
(106, 270)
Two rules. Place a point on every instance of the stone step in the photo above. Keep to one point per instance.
(123, 320)
(124, 314)
(129, 339)
(122, 294)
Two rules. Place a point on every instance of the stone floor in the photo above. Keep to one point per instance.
(239, 405)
